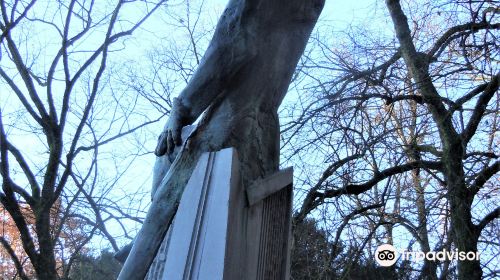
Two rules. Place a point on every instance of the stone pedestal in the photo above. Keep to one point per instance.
(222, 231)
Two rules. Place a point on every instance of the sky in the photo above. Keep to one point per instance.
(163, 30)
(340, 14)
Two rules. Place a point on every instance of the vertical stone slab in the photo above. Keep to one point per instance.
(218, 234)
(158, 265)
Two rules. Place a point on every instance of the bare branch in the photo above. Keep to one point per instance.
(26, 77)
(315, 198)
(483, 176)
(35, 188)
(21, 97)
(117, 136)
(488, 219)
(418, 66)
(457, 31)
(480, 108)
(12, 254)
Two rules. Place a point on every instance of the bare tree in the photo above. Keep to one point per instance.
(52, 128)
(406, 125)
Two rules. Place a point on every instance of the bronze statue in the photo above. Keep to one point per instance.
(238, 86)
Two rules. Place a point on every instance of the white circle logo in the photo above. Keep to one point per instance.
(386, 255)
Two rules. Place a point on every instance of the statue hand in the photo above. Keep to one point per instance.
(171, 135)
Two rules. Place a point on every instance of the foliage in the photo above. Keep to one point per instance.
(312, 258)
(103, 267)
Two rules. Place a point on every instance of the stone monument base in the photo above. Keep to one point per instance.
(223, 231)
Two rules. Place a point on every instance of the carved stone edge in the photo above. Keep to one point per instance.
(269, 185)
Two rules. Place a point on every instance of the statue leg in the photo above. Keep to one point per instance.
(160, 169)
(162, 165)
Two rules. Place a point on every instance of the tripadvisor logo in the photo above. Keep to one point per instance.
(387, 255)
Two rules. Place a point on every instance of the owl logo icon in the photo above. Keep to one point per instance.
(386, 255)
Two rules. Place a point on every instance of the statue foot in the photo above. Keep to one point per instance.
(122, 254)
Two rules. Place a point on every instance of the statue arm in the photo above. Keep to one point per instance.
(230, 49)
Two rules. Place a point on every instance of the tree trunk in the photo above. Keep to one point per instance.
(244, 113)
(45, 266)
(429, 269)
(464, 232)
(465, 236)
